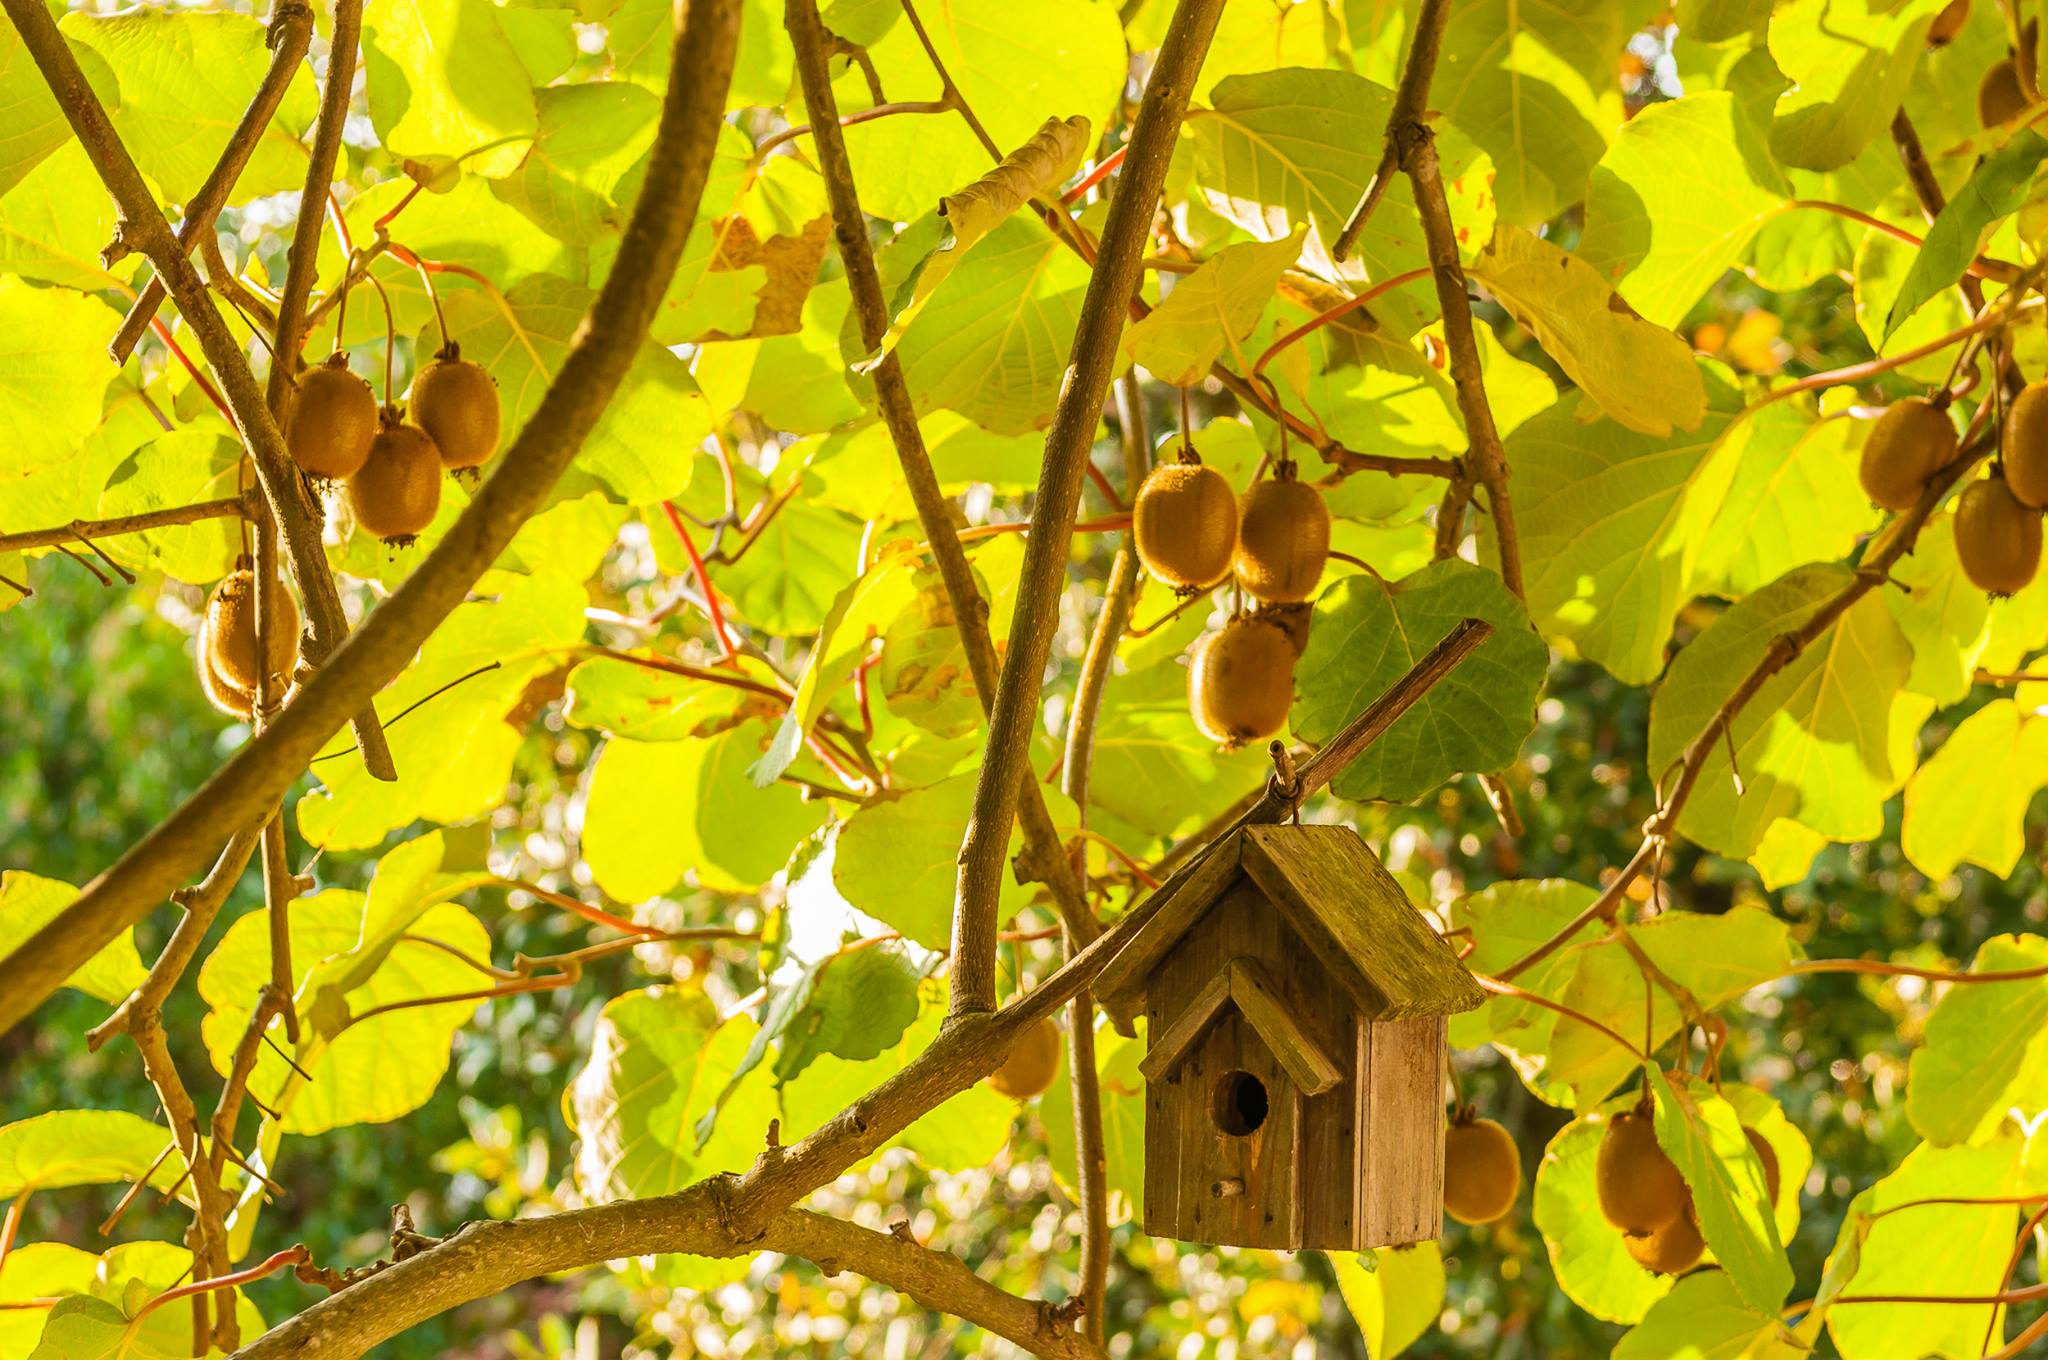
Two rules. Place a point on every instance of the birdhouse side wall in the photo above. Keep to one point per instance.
(1304, 1199)
(1398, 1093)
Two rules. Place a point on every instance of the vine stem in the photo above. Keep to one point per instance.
(1111, 286)
(847, 120)
(248, 784)
(712, 607)
(1101, 171)
(1324, 318)
(228, 507)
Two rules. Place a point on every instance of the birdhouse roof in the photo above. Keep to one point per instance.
(1338, 897)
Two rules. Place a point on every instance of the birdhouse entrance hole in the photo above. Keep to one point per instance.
(1240, 1106)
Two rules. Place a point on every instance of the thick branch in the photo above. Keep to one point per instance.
(249, 783)
(291, 32)
(1042, 853)
(90, 529)
(486, 1258)
(1118, 268)
(142, 226)
(303, 262)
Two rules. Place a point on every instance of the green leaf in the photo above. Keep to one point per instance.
(1616, 522)
(28, 902)
(1368, 633)
(1211, 310)
(1152, 769)
(443, 81)
(1763, 1116)
(1592, 1265)
(656, 809)
(1676, 200)
(65, 1148)
(1849, 62)
(363, 1071)
(1122, 1089)
(1968, 802)
(193, 463)
(83, 1328)
(1397, 1302)
(793, 574)
(53, 375)
(38, 1271)
(54, 223)
(1640, 374)
(1824, 742)
(656, 1060)
(1704, 1317)
(1944, 616)
(454, 751)
(1979, 1040)
(610, 695)
(1794, 499)
(858, 1006)
(1701, 1133)
(185, 80)
(31, 123)
(1533, 84)
(1508, 920)
(1946, 1249)
(576, 180)
(1994, 191)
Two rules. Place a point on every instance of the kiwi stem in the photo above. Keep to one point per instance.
(433, 296)
(1324, 318)
(390, 341)
(712, 607)
(847, 120)
(1101, 171)
(1500, 988)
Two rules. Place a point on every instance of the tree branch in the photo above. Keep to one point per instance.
(1111, 286)
(1042, 854)
(291, 32)
(744, 1210)
(256, 776)
(141, 225)
(90, 529)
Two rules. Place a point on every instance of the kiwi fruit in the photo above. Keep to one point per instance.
(1292, 619)
(2000, 96)
(1948, 24)
(1998, 537)
(456, 403)
(1482, 1170)
(1912, 440)
(334, 418)
(2025, 451)
(1028, 1068)
(1768, 1155)
(1283, 539)
(1671, 1250)
(1185, 523)
(221, 692)
(1640, 1188)
(229, 635)
(1242, 681)
(397, 491)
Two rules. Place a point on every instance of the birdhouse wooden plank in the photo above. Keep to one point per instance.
(1296, 1004)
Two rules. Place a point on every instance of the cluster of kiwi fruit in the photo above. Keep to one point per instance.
(1193, 532)
(228, 665)
(1643, 1194)
(1998, 518)
(391, 467)
(2012, 85)
(1482, 1168)
(1029, 1066)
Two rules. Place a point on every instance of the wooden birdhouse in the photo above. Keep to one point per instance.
(1295, 1004)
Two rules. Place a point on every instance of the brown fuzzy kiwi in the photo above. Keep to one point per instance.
(1998, 537)
(1185, 522)
(1948, 24)
(1671, 1250)
(1031, 1063)
(1283, 539)
(397, 491)
(456, 402)
(334, 418)
(2024, 454)
(1768, 1155)
(1292, 619)
(1910, 442)
(1242, 681)
(1482, 1170)
(2000, 96)
(221, 692)
(2026, 61)
(1640, 1188)
(229, 636)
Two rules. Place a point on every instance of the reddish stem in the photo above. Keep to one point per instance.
(1500, 988)
(1322, 319)
(1108, 491)
(163, 333)
(398, 207)
(1104, 168)
(711, 605)
(1871, 966)
(12, 1224)
(290, 1256)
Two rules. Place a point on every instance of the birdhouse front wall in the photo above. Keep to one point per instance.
(1235, 1152)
